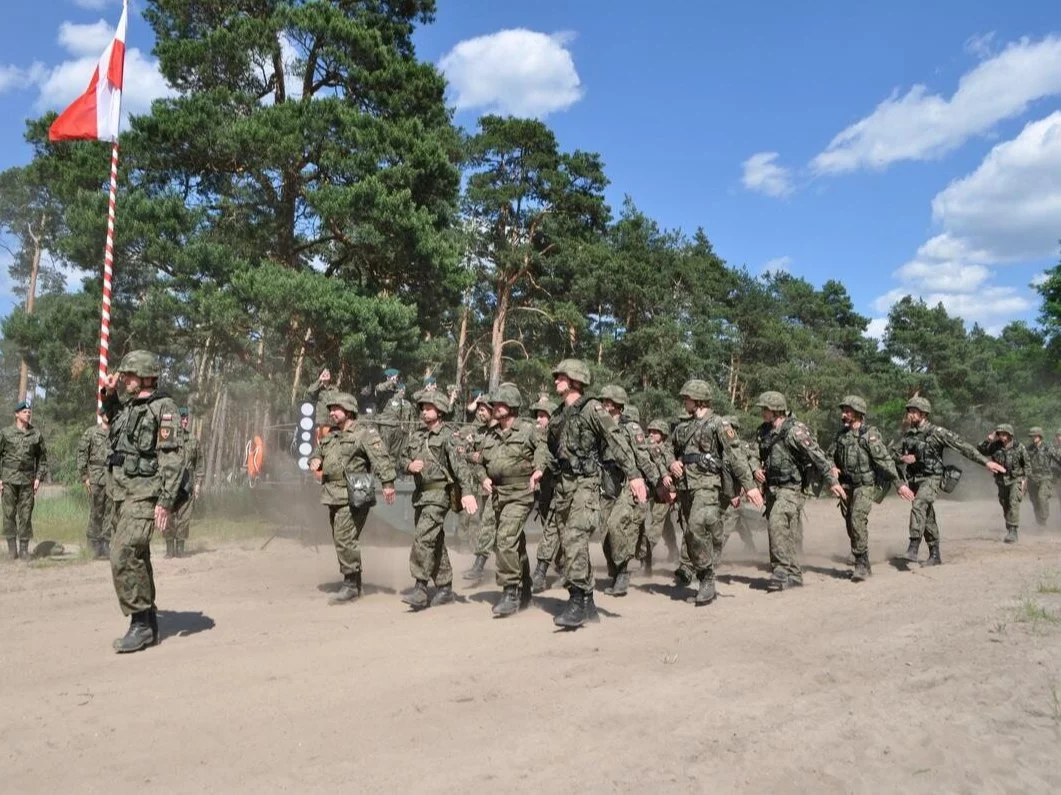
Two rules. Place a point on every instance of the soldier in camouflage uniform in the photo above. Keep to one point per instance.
(192, 474)
(509, 456)
(145, 466)
(732, 513)
(352, 449)
(548, 551)
(1055, 462)
(704, 446)
(485, 529)
(786, 449)
(1002, 448)
(395, 415)
(23, 467)
(93, 450)
(1040, 475)
(659, 521)
(865, 469)
(432, 456)
(919, 460)
(579, 436)
(622, 516)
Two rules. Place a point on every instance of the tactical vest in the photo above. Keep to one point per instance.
(134, 438)
(573, 442)
(852, 458)
(929, 454)
(779, 462)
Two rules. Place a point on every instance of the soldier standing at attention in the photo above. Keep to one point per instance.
(919, 459)
(579, 436)
(861, 462)
(145, 466)
(192, 474)
(351, 451)
(1001, 447)
(705, 446)
(786, 447)
(1040, 475)
(439, 470)
(23, 466)
(92, 452)
(509, 455)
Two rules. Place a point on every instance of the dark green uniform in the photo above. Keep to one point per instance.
(356, 450)
(1010, 484)
(1040, 479)
(622, 516)
(786, 452)
(145, 465)
(659, 521)
(23, 460)
(192, 474)
(468, 525)
(395, 416)
(866, 468)
(445, 468)
(733, 516)
(92, 452)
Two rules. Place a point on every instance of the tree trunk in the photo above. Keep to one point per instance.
(497, 332)
(217, 434)
(462, 339)
(31, 300)
(299, 362)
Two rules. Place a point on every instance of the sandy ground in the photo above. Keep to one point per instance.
(920, 680)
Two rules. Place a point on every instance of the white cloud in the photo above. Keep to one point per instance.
(94, 5)
(876, 328)
(1039, 279)
(919, 125)
(519, 72)
(951, 276)
(85, 39)
(763, 175)
(778, 265)
(980, 45)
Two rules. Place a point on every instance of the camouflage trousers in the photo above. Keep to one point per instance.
(1009, 497)
(181, 520)
(429, 558)
(100, 514)
(922, 511)
(658, 525)
(486, 541)
(733, 521)
(509, 517)
(621, 521)
(17, 504)
(1040, 492)
(856, 517)
(346, 534)
(783, 506)
(468, 527)
(701, 520)
(575, 512)
(549, 545)
(134, 579)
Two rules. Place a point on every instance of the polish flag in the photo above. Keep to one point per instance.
(96, 113)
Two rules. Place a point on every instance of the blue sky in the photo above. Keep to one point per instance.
(901, 147)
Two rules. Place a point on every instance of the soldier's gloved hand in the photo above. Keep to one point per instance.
(470, 506)
(755, 497)
(488, 486)
(161, 518)
(388, 495)
(638, 489)
(906, 493)
(326, 376)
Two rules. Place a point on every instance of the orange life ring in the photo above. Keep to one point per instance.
(255, 457)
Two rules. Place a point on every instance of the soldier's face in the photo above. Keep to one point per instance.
(655, 437)
(428, 413)
(690, 405)
(612, 408)
(562, 384)
(1005, 438)
(338, 415)
(849, 415)
(767, 415)
(133, 383)
(482, 413)
(184, 423)
(501, 411)
(542, 419)
(25, 415)
(914, 417)
(1037, 439)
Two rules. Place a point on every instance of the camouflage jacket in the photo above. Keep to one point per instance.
(23, 457)
(1013, 456)
(391, 406)
(145, 438)
(788, 451)
(445, 464)
(927, 443)
(646, 465)
(357, 450)
(731, 486)
(582, 435)
(194, 461)
(92, 452)
(862, 457)
(1055, 458)
(1041, 462)
(709, 449)
(510, 457)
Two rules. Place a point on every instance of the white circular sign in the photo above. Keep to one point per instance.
(307, 409)
(303, 464)
(306, 423)
(305, 448)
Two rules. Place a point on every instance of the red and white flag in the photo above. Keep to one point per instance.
(96, 113)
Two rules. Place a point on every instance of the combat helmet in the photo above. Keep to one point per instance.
(543, 405)
(660, 426)
(140, 363)
(574, 369)
(855, 403)
(632, 413)
(343, 400)
(696, 389)
(615, 393)
(732, 420)
(507, 394)
(1004, 427)
(920, 404)
(772, 401)
(433, 398)
(1035, 431)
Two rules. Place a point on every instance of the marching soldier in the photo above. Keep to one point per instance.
(394, 414)
(485, 530)
(732, 514)
(23, 467)
(93, 450)
(192, 475)
(659, 521)
(548, 551)
(1040, 475)
(1001, 447)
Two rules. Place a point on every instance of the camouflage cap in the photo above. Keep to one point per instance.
(632, 413)
(1004, 427)
(733, 420)
(343, 400)
(1035, 431)
(855, 403)
(920, 404)
(615, 393)
(660, 426)
(507, 395)
(772, 401)
(543, 405)
(140, 363)
(574, 369)
(435, 398)
(696, 389)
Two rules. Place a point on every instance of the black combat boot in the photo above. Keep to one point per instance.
(23, 548)
(539, 583)
(12, 549)
(933, 555)
(574, 615)
(646, 561)
(179, 548)
(912, 550)
(621, 584)
(139, 636)
(443, 596)
(171, 547)
(862, 570)
(1011, 534)
(475, 573)
(592, 616)
(707, 593)
(417, 597)
(152, 621)
(350, 590)
(509, 602)
(683, 576)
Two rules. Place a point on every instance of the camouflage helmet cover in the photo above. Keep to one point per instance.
(574, 369)
(615, 393)
(696, 389)
(543, 405)
(632, 413)
(855, 403)
(920, 404)
(1035, 431)
(772, 401)
(433, 398)
(733, 420)
(507, 394)
(660, 426)
(140, 363)
(1004, 427)
(343, 400)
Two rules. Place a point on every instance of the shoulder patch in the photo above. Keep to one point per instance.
(167, 417)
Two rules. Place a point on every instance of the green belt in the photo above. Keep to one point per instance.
(515, 480)
(438, 485)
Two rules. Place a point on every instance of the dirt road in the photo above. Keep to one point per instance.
(919, 680)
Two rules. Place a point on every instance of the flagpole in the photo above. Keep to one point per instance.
(108, 279)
